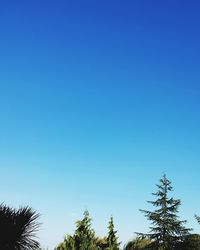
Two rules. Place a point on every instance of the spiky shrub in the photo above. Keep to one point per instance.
(18, 228)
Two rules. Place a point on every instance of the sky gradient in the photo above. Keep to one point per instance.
(97, 100)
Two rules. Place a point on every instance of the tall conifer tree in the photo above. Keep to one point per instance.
(112, 239)
(84, 235)
(166, 227)
(83, 238)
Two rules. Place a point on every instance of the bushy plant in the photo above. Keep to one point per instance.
(18, 228)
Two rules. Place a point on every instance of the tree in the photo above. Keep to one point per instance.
(83, 238)
(139, 244)
(191, 242)
(101, 243)
(68, 244)
(18, 228)
(112, 239)
(197, 218)
(166, 229)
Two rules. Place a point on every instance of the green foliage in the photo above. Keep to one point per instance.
(17, 228)
(190, 242)
(167, 231)
(68, 244)
(166, 227)
(101, 243)
(197, 218)
(83, 238)
(139, 244)
(112, 239)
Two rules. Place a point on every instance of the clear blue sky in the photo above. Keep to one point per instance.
(97, 100)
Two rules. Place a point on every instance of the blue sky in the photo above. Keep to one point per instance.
(97, 100)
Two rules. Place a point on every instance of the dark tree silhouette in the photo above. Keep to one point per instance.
(18, 228)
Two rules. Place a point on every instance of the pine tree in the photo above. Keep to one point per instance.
(83, 238)
(112, 239)
(166, 229)
(67, 244)
(197, 218)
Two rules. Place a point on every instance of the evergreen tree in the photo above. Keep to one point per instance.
(197, 218)
(139, 244)
(67, 244)
(83, 238)
(191, 242)
(166, 229)
(101, 243)
(112, 239)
